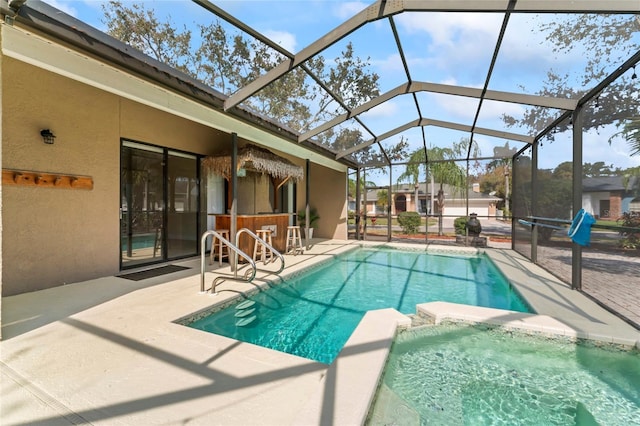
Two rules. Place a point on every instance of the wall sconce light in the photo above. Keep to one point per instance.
(47, 136)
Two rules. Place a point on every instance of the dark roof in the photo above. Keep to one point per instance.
(51, 21)
(608, 183)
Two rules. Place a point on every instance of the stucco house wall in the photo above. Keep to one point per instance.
(328, 194)
(58, 236)
(53, 236)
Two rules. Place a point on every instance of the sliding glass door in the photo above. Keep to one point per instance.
(182, 205)
(159, 204)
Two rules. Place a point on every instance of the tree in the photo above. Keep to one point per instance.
(599, 169)
(363, 186)
(603, 36)
(227, 62)
(141, 29)
(441, 167)
(554, 195)
(493, 181)
(631, 132)
(348, 138)
(503, 158)
(383, 199)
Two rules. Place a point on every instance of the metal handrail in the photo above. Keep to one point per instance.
(594, 226)
(543, 225)
(230, 245)
(266, 244)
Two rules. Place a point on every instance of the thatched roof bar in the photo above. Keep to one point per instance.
(261, 159)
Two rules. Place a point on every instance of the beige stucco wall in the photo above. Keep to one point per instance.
(328, 194)
(56, 236)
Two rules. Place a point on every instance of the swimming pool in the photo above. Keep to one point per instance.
(457, 374)
(312, 315)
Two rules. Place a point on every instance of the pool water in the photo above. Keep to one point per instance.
(473, 375)
(313, 315)
(139, 241)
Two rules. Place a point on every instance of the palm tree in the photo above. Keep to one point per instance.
(411, 173)
(631, 132)
(441, 168)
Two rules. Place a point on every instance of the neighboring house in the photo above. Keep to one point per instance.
(404, 199)
(610, 196)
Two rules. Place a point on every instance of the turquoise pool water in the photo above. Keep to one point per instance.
(314, 314)
(471, 375)
(139, 241)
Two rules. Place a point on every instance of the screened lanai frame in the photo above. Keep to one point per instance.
(413, 89)
(564, 108)
(388, 10)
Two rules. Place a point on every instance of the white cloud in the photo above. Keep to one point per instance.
(597, 148)
(453, 107)
(391, 63)
(449, 43)
(64, 6)
(346, 10)
(493, 110)
(449, 29)
(386, 109)
(463, 43)
(283, 38)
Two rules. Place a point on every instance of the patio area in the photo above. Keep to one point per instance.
(108, 351)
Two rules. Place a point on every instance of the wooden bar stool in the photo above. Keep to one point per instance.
(260, 249)
(217, 246)
(294, 240)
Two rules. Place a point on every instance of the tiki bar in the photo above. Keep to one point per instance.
(259, 204)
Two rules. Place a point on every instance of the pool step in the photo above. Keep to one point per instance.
(246, 304)
(242, 322)
(244, 312)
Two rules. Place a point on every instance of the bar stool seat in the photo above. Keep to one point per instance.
(218, 247)
(259, 249)
(294, 240)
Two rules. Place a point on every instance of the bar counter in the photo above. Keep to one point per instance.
(277, 222)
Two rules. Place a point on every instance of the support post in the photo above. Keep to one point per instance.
(576, 249)
(534, 201)
(234, 201)
(364, 217)
(389, 200)
(307, 209)
(357, 212)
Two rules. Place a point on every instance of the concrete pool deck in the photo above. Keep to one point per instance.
(108, 351)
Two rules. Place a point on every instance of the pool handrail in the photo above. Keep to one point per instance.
(231, 246)
(266, 244)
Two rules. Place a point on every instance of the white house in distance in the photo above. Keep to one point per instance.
(610, 196)
(404, 199)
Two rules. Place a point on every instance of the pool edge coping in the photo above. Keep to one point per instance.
(352, 380)
(267, 278)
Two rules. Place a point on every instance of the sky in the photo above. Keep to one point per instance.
(453, 48)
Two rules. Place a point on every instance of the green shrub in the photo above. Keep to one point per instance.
(313, 217)
(631, 239)
(409, 221)
(459, 224)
